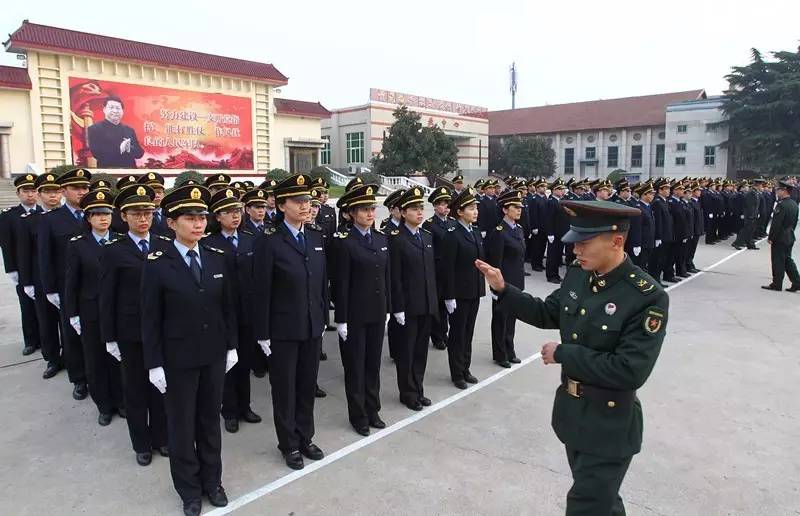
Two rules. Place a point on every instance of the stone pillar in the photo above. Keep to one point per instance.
(5, 156)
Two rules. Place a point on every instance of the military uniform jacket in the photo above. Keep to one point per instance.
(56, 229)
(663, 219)
(186, 325)
(439, 229)
(462, 280)
(488, 213)
(505, 249)
(647, 223)
(120, 287)
(363, 278)
(326, 219)
(413, 272)
(537, 212)
(784, 222)
(680, 221)
(698, 218)
(708, 203)
(611, 328)
(250, 226)
(27, 241)
(292, 287)
(240, 261)
(635, 230)
(9, 229)
(82, 282)
(556, 222)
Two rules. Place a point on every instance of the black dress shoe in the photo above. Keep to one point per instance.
(375, 421)
(753, 248)
(673, 279)
(425, 402)
(793, 288)
(461, 384)
(121, 412)
(319, 393)
(694, 270)
(362, 430)
(260, 374)
(144, 458)
(323, 356)
(515, 360)
(440, 345)
(527, 273)
(538, 269)
(330, 328)
(684, 276)
(413, 405)
(737, 247)
(231, 426)
(104, 419)
(192, 507)
(163, 451)
(469, 378)
(251, 417)
(293, 459)
(28, 350)
(51, 371)
(311, 451)
(503, 363)
(217, 497)
(554, 280)
(771, 287)
(80, 391)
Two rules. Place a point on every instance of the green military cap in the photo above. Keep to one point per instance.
(217, 180)
(463, 199)
(440, 194)
(25, 181)
(391, 199)
(591, 218)
(187, 200)
(151, 179)
(75, 177)
(783, 185)
(225, 199)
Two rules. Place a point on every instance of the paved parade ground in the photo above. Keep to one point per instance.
(721, 426)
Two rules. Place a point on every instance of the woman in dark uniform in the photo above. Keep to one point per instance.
(463, 284)
(362, 306)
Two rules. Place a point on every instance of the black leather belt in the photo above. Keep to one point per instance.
(611, 398)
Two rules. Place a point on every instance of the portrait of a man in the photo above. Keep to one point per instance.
(113, 143)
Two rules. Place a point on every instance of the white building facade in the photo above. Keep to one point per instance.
(694, 138)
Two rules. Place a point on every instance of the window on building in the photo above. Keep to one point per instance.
(355, 147)
(569, 160)
(680, 160)
(613, 156)
(636, 156)
(680, 147)
(709, 155)
(660, 155)
(325, 153)
(590, 152)
(681, 128)
(711, 128)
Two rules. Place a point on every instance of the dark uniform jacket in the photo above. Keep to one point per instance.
(363, 278)
(488, 213)
(9, 227)
(680, 221)
(612, 328)
(240, 260)
(186, 325)
(752, 201)
(27, 242)
(326, 219)
(104, 140)
(56, 229)
(292, 288)
(556, 222)
(663, 219)
(698, 217)
(784, 222)
(537, 212)
(120, 286)
(413, 272)
(82, 288)
(439, 229)
(462, 280)
(505, 249)
(647, 225)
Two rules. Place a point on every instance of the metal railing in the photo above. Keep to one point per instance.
(395, 182)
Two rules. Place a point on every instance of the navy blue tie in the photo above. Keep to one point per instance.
(232, 239)
(103, 241)
(194, 265)
(79, 215)
(418, 236)
(368, 236)
(144, 246)
(301, 242)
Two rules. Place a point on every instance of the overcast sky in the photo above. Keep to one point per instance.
(334, 51)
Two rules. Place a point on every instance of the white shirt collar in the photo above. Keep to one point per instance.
(136, 239)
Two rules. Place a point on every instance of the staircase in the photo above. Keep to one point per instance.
(8, 194)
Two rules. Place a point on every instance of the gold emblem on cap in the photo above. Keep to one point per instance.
(141, 191)
(229, 193)
(29, 177)
(100, 196)
(50, 177)
(417, 192)
(221, 177)
(444, 190)
(471, 190)
(369, 190)
(151, 176)
(195, 194)
(260, 193)
(131, 179)
(79, 173)
(301, 181)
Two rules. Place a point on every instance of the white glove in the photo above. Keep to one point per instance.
(159, 379)
(710, 215)
(387, 320)
(658, 243)
(113, 349)
(535, 231)
(400, 317)
(341, 329)
(741, 217)
(265, 347)
(551, 238)
(75, 322)
(450, 304)
(55, 300)
(684, 241)
(231, 359)
(29, 291)
(636, 251)
(14, 275)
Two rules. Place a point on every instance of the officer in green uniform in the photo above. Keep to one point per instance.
(781, 239)
(612, 318)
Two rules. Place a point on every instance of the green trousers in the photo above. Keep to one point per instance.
(595, 484)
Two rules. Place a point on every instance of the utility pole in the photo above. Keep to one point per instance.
(513, 87)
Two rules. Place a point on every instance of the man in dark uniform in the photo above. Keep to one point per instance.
(217, 182)
(612, 318)
(708, 202)
(458, 184)
(698, 220)
(413, 297)
(555, 226)
(674, 270)
(488, 212)
(57, 228)
(238, 245)
(438, 226)
(290, 315)
(326, 218)
(117, 224)
(9, 226)
(189, 339)
(663, 251)
(156, 181)
(646, 194)
(781, 240)
(750, 201)
(537, 209)
(624, 196)
(394, 211)
(766, 204)
(114, 144)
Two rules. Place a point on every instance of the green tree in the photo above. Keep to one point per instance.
(57, 171)
(278, 174)
(762, 107)
(525, 156)
(439, 154)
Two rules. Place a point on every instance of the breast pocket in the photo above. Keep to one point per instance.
(605, 333)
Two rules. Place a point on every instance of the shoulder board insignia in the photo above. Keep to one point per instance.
(220, 251)
(425, 230)
(376, 230)
(154, 256)
(342, 234)
(162, 237)
(395, 232)
(451, 228)
(76, 237)
(246, 231)
(24, 215)
(114, 240)
(269, 231)
(429, 220)
(314, 227)
(499, 227)
(642, 285)
(6, 209)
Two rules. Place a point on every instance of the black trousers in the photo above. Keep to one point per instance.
(30, 323)
(679, 254)
(595, 484)
(783, 264)
(294, 366)
(412, 357)
(641, 261)
(193, 400)
(503, 329)
(146, 416)
(394, 336)
(667, 260)
(691, 251)
(569, 253)
(361, 358)
(459, 343)
(538, 244)
(236, 394)
(439, 325)
(49, 328)
(72, 348)
(654, 262)
(102, 370)
(555, 250)
(712, 230)
(747, 234)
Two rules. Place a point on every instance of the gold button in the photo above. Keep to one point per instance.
(611, 404)
(594, 289)
(604, 327)
(574, 336)
(583, 311)
(633, 275)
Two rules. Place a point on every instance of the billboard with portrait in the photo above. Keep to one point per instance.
(122, 125)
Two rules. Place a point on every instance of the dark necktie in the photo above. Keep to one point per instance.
(301, 242)
(260, 228)
(103, 241)
(368, 236)
(232, 239)
(418, 236)
(157, 217)
(143, 245)
(79, 215)
(194, 265)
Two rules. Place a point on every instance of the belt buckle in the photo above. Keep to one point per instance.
(573, 388)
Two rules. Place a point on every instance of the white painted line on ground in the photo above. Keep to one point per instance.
(366, 441)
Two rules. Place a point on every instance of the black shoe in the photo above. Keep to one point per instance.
(440, 345)
(28, 350)
(538, 269)
(251, 417)
(80, 391)
(793, 288)
(323, 356)
(311, 451)
(469, 378)
(425, 402)
(121, 412)
(260, 374)
(413, 405)
(217, 497)
(144, 458)
(163, 451)
(461, 384)
(753, 248)
(231, 426)
(192, 507)
(527, 273)
(51, 371)
(330, 328)
(515, 360)
(319, 393)
(772, 287)
(684, 276)
(557, 281)
(503, 363)
(694, 270)
(362, 430)
(293, 459)
(673, 279)
(375, 421)
(737, 247)
(104, 419)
